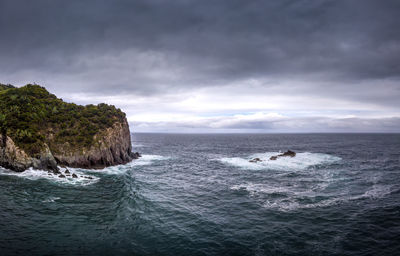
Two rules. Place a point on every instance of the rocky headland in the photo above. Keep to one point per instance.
(41, 131)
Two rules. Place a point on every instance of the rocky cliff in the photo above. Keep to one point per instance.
(41, 131)
(112, 147)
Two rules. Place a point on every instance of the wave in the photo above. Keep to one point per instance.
(123, 168)
(300, 161)
(51, 199)
(253, 189)
(31, 174)
(293, 200)
(137, 145)
(84, 175)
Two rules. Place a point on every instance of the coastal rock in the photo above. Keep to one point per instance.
(16, 159)
(288, 153)
(61, 176)
(74, 176)
(67, 171)
(114, 148)
(255, 160)
(136, 155)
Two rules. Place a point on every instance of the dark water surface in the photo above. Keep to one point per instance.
(199, 195)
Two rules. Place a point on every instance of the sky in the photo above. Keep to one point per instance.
(214, 66)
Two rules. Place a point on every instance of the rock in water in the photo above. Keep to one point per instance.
(255, 160)
(287, 153)
(51, 132)
(136, 155)
(67, 171)
(74, 176)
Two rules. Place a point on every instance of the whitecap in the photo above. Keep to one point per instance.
(148, 159)
(51, 199)
(137, 145)
(32, 174)
(120, 169)
(293, 199)
(299, 162)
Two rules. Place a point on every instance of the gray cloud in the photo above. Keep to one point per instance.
(237, 39)
(341, 51)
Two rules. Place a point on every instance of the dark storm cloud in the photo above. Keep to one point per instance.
(221, 40)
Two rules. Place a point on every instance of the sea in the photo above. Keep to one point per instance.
(198, 194)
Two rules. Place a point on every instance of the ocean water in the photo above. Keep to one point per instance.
(200, 195)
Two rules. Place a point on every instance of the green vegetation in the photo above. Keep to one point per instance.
(32, 116)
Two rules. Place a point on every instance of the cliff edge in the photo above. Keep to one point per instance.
(41, 131)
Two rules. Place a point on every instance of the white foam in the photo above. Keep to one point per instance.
(291, 198)
(51, 199)
(149, 159)
(300, 161)
(137, 145)
(253, 189)
(32, 174)
(120, 169)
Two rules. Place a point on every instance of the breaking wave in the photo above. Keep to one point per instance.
(51, 199)
(121, 169)
(31, 174)
(85, 176)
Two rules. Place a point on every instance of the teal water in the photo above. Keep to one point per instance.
(199, 195)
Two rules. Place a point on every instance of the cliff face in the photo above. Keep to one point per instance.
(112, 147)
(16, 159)
(41, 131)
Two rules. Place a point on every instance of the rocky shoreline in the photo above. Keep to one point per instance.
(114, 150)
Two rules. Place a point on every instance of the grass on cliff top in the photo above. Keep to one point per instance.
(32, 116)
